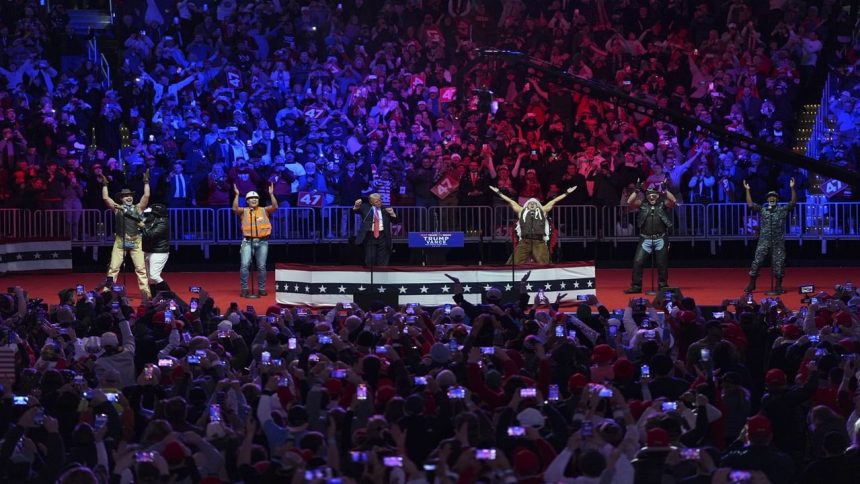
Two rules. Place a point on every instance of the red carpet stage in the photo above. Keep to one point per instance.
(708, 286)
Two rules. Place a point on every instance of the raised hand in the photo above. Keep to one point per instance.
(146, 176)
(494, 189)
(271, 188)
(791, 182)
(747, 185)
(571, 189)
(235, 189)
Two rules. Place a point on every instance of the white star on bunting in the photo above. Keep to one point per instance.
(341, 289)
(562, 285)
(297, 288)
(402, 289)
(576, 285)
(307, 288)
(424, 289)
(488, 287)
(528, 287)
(445, 288)
(37, 255)
(20, 257)
(381, 289)
(55, 255)
(361, 288)
(547, 286)
(508, 287)
(467, 288)
(590, 283)
(322, 289)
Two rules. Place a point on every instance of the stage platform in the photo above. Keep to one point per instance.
(708, 286)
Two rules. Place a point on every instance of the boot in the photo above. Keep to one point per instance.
(751, 286)
(778, 289)
(162, 286)
(633, 290)
(153, 289)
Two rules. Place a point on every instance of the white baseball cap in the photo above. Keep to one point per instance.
(252, 194)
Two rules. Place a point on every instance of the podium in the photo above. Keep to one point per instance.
(438, 243)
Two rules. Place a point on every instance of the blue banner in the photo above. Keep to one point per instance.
(435, 240)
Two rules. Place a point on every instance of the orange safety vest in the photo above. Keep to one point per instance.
(256, 225)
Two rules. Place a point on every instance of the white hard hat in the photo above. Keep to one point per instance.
(251, 194)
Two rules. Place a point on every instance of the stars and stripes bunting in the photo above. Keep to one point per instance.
(36, 255)
(314, 285)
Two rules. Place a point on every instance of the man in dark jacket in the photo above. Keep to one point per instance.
(156, 245)
(784, 406)
(754, 452)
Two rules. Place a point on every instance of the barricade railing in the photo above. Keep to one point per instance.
(585, 223)
(475, 221)
(15, 223)
(81, 226)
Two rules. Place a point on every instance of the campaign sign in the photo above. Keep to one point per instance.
(434, 240)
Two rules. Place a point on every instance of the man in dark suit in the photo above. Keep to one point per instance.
(474, 185)
(180, 192)
(375, 230)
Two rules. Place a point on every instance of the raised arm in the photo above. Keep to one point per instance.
(551, 203)
(144, 200)
(514, 205)
(274, 206)
(671, 197)
(236, 208)
(749, 196)
(106, 196)
(793, 200)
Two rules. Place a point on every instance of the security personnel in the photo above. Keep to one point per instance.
(654, 223)
(256, 229)
(772, 235)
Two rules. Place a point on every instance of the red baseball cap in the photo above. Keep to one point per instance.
(775, 378)
(759, 426)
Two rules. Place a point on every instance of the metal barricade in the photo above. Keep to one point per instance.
(293, 225)
(689, 222)
(81, 226)
(733, 221)
(409, 219)
(576, 222)
(475, 222)
(228, 227)
(618, 224)
(846, 217)
(339, 223)
(504, 223)
(15, 223)
(189, 226)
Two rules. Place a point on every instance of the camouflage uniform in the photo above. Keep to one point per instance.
(771, 237)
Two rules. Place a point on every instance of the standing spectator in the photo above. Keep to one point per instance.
(180, 192)
(256, 229)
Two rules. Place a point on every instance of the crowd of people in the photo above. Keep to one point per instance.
(341, 99)
(95, 390)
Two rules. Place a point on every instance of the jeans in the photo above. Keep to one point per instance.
(261, 250)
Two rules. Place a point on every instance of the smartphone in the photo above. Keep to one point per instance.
(380, 350)
(165, 362)
(325, 339)
(338, 373)
(541, 295)
(186, 337)
(112, 397)
(39, 417)
(420, 381)
(645, 371)
(559, 331)
(193, 304)
(249, 308)
(301, 312)
(691, 454)
(587, 429)
(101, 420)
(553, 393)
(265, 358)
(377, 316)
(488, 350)
(292, 343)
(90, 296)
(706, 354)
(347, 305)
(814, 338)
(79, 289)
(194, 289)
(582, 297)
(143, 456)
(88, 394)
(740, 476)
(117, 288)
(193, 360)
(571, 334)
(613, 330)
(719, 314)
(393, 461)
(147, 372)
(214, 412)
(528, 392)
(283, 381)
(358, 456)
(457, 393)
(411, 320)
(115, 307)
(168, 316)
(453, 345)
(20, 400)
(361, 392)
(410, 308)
(448, 309)
(605, 393)
(485, 454)
(670, 406)
(516, 431)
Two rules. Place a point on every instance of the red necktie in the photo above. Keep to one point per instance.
(375, 224)
(474, 179)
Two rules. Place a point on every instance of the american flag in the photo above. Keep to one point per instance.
(297, 284)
